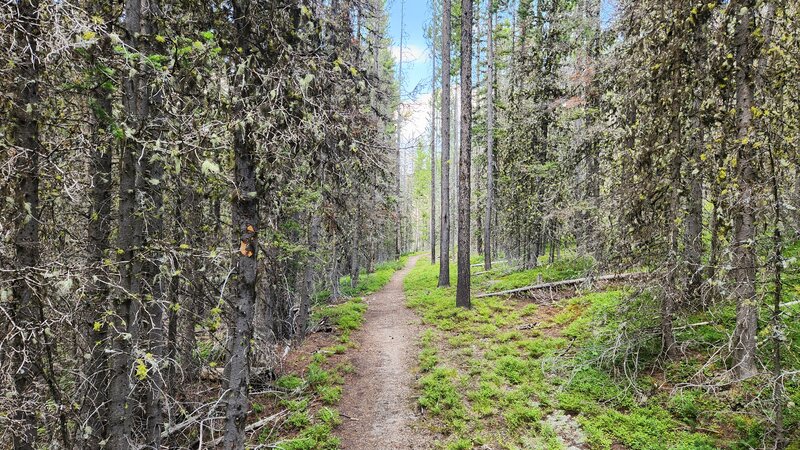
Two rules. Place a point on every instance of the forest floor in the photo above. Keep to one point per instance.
(553, 371)
(378, 405)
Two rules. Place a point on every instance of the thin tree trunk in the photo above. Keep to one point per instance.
(398, 190)
(744, 251)
(433, 154)
(130, 241)
(245, 224)
(355, 254)
(93, 409)
(778, 332)
(25, 139)
(308, 277)
(487, 223)
(465, 158)
(444, 229)
(245, 220)
(672, 291)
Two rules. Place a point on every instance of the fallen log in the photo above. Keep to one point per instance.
(493, 262)
(612, 277)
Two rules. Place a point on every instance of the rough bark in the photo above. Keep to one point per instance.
(308, 277)
(744, 251)
(245, 225)
(398, 154)
(465, 158)
(130, 241)
(25, 139)
(444, 229)
(433, 156)
(98, 233)
(355, 250)
(487, 222)
(245, 220)
(693, 232)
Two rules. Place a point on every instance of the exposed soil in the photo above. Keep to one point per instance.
(378, 407)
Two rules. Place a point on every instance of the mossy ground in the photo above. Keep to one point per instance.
(493, 374)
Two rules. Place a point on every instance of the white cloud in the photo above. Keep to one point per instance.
(416, 120)
(411, 53)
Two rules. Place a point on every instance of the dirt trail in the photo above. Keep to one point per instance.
(377, 404)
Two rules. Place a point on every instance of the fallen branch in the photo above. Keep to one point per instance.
(493, 262)
(698, 324)
(250, 428)
(620, 276)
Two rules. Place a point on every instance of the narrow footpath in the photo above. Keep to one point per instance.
(378, 406)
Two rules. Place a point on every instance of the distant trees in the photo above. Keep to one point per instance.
(182, 180)
(640, 141)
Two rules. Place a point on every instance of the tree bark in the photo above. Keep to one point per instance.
(398, 154)
(487, 222)
(245, 224)
(444, 229)
(465, 158)
(25, 139)
(93, 408)
(744, 251)
(433, 153)
(130, 242)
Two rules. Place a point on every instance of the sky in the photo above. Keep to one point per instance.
(416, 81)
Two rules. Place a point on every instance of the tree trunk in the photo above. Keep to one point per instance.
(355, 254)
(487, 222)
(245, 224)
(744, 251)
(693, 233)
(93, 409)
(130, 243)
(245, 221)
(433, 154)
(153, 322)
(672, 292)
(465, 158)
(398, 189)
(25, 139)
(444, 229)
(308, 277)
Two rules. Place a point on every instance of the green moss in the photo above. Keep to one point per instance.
(330, 395)
(298, 419)
(316, 375)
(518, 416)
(512, 368)
(329, 416)
(290, 382)
(440, 398)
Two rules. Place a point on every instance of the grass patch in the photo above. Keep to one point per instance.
(498, 369)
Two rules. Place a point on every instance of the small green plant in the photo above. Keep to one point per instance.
(298, 419)
(329, 395)
(290, 382)
(440, 398)
(316, 375)
(329, 416)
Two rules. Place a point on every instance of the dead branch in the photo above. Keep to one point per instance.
(612, 277)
